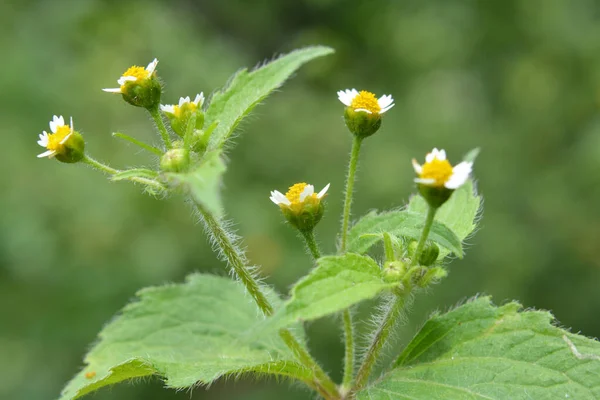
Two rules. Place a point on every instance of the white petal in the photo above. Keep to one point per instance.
(346, 96)
(43, 139)
(199, 100)
(113, 90)
(323, 191)
(363, 110)
(418, 168)
(124, 79)
(435, 153)
(425, 181)
(56, 122)
(385, 102)
(460, 174)
(278, 198)
(167, 108)
(151, 67)
(183, 100)
(386, 108)
(66, 138)
(309, 190)
(49, 154)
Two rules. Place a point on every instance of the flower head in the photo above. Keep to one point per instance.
(134, 74)
(63, 143)
(363, 111)
(176, 110)
(301, 206)
(438, 179)
(364, 101)
(139, 86)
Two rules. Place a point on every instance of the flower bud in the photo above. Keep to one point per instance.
(438, 179)
(139, 86)
(394, 271)
(64, 143)
(363, 111)
(429, 254)
(181, 114)
(175, 160)
(301, 206)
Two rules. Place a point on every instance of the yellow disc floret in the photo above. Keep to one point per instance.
(293, 194)
(438, 170)
(55, 139)
(366, 101)
(137, 72)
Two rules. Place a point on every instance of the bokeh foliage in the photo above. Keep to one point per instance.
(520, 79)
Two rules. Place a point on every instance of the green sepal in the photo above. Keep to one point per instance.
(72, 150)
(143, 93)
(435, 196)
(361, 123)
(306, 219)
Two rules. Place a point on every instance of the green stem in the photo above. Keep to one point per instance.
(349, 189)
(111, 171)
(311, 243)
(379, 340)
(349, 352)
(98, 165)
(323, 383)
(160, 124)
(424, 234)
(236, 260)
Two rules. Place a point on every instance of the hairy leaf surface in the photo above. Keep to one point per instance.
(479, 351)
(246, 89)
(187, 334)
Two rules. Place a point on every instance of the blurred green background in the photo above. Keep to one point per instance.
(520, 79)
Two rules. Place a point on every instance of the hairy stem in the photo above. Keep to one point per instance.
(379, 339)
(236, 259)
(139, 143)
(349, 351)
(160, 124)
(424, 234)
(322, 382)
(111, 171)
(349, 189)
(311, 243)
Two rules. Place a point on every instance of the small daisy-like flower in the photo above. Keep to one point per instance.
(438, 179)
(301, 206)
(63, 143)
(365, 101)
(184, 104)
(134, 74)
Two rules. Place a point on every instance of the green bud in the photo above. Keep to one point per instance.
(361, 123)
(429, 255)
(305, 219)
(301, 206)
(143, 92)
(394, 271)
(72, 150)
(175, 160)
(435, 195)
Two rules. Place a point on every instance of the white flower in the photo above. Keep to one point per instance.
(184, 102)
(298, 195)
(365, 101)
(438, 172)
(54, 142)
(134, 74)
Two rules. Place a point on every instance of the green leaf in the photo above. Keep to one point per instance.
(202, 183)
(367, 231)
(479, 351)
(246, 89)
(134, 173)
(334, 285)
(186, 333)
(459, 213)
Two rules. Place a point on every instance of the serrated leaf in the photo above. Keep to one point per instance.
(186, 333)
(459, 213)
(202, 183)
(479, 351)
(246, 89)
(336, 283)
(367, 231)
(134, 173)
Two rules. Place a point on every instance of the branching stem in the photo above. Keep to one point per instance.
(160, 124)
(356, 143)
(424, 234)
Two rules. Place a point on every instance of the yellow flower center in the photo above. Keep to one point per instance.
(178, 111)
(138, 72)
(366, 101)
(293, 195)
(439, 170)
(54, 139)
